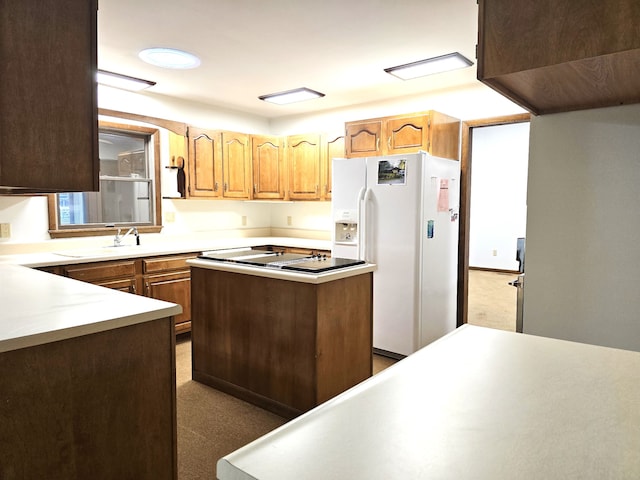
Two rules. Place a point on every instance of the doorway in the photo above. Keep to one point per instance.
(490, 221)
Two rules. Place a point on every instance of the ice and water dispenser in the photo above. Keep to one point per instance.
(346, 225)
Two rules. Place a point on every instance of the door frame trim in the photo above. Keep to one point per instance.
(465, 203)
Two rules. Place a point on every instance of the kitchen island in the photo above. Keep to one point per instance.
(88, 380)
(476, 404)
(283, 340)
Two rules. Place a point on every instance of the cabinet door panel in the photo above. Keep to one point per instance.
(174, 288)
(407, 135)
(334, 148)
(127, 286)
(236, 167)
(203, 172)
(268, 167)
(363, 139)
(303, 155)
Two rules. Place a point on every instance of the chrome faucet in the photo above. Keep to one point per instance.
(117, 241)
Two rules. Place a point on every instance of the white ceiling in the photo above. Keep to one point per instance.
(254, 47)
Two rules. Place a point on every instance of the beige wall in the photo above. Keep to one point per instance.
(583, 227)
(28, 215)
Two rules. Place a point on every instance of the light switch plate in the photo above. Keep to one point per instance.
(5, 230)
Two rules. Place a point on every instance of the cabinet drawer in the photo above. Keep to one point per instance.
(160, 264)
(101, 271)
(127, 286)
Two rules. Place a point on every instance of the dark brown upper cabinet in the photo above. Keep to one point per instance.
(48, 103)
(553, 56)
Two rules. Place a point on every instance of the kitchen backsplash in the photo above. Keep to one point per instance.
(28, 219)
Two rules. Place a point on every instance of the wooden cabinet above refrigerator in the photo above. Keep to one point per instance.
(432, 132)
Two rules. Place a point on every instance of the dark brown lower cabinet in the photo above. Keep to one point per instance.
(99, 406)
(175, 288)
(161, 277)
(283, 345)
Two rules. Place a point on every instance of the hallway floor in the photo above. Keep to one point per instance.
(492, 301)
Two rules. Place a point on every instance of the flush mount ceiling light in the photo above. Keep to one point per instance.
(291, 96)
(169, 58)
(125, 82)
(421, 68)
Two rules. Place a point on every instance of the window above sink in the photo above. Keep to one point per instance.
(129, 187)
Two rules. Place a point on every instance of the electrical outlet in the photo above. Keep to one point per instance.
(289, 220)
(244, 220)
(169, 217)
(5, 230)
(495, 253)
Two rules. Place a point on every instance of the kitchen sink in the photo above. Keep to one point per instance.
(106, 251)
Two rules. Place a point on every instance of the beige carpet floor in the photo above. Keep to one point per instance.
(492, 301)
(212, 424)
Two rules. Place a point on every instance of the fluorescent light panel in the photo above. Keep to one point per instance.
(291, 96)
(169, 58)
(430, 66)
(125, 82)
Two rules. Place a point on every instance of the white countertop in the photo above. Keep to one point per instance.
(108, 252)
(39, 307)
(314, 278)
(476, 404)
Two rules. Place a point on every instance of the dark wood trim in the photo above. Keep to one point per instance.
(176, 127)
(465, 203)
(56, 232)
(157, 184)
(279, 408)
(494, 270)
(96, 232)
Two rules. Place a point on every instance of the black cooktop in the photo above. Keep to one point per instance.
(285, 261)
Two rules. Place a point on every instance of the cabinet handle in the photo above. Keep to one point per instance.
(389, 143)
(147, 289)
(215, 187)
(225, 187)
(133, 288)
(255, 188)
(378, 143)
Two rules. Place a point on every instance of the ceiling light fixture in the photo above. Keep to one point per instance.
(125, 82)
(421, 68)
(291, 96)
(169, 58)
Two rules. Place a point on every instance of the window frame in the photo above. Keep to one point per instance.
(55, 230)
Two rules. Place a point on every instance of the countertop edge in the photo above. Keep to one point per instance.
(105, 253)
(87, 329)
(41, 308)
(313, 278)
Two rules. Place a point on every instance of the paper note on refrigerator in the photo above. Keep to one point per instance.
(443, 195)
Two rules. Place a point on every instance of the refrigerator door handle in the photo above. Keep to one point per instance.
(359, 220)
(362, 244)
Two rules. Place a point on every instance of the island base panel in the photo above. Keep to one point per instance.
(283, 345)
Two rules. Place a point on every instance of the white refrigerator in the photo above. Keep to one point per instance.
(400, 212)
